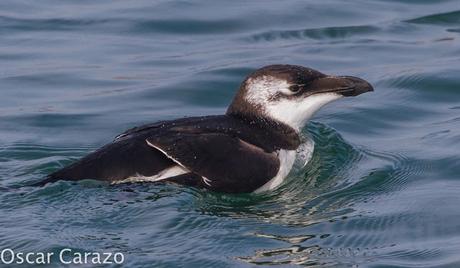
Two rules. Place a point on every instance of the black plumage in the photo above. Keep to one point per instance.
(234, 154)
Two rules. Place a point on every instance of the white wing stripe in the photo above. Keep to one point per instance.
(167, 155)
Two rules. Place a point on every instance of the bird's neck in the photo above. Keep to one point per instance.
(289, 137)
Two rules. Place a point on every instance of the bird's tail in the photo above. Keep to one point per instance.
(53, 177)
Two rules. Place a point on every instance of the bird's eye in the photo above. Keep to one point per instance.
(294, 88)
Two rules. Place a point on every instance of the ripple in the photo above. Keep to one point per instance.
(438, 87)
(420, 254)
(12, 24)
(359, 249)
(389, 173)
(64, 212)
(290, 239)
(316, 256)
(337, 199)
(448, 18)
(178, 26)
(316, 34)
(295, 255)
(23, 163)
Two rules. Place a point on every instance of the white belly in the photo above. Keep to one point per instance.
(287, 159)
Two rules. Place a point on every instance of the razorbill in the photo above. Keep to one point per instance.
(250, 148)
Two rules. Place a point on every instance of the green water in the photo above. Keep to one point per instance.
(382, 189)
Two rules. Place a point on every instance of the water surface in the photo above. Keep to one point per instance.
(382, 189)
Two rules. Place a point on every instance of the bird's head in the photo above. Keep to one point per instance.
(291, 94)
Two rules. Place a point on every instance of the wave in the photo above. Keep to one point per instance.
(339, 32)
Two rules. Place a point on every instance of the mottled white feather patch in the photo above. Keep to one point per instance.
(260, 89)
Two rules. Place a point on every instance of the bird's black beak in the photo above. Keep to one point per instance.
(347, 86)
(354, 86)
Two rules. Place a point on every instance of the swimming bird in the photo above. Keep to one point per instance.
(251, 148)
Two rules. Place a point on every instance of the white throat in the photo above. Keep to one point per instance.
(296, 113)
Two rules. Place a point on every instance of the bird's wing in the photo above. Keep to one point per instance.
(136, 130)
(225, 163)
